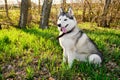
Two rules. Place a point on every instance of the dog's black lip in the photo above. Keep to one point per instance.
(66, 25)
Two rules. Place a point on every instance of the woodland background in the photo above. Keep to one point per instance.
(103, 12)
(29, 49)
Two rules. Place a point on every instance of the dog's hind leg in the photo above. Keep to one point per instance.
(94, 58)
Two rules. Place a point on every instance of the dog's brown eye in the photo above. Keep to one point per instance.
(65, 19)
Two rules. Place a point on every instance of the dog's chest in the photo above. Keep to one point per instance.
(66, 42)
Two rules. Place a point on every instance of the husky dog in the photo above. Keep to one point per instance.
(75, 43)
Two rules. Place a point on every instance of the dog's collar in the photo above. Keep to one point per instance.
(65, 33)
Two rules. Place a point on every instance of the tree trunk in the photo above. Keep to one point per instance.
(24, 13)
(6, 8)
(29, 18)
(107, 3)
(103, 21)
(63, 5)
(84, 11)
(46, 8)
(90, 12)
(39, 6)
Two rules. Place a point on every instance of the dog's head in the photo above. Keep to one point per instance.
(66, 20)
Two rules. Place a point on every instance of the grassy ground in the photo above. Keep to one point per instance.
(35, 54)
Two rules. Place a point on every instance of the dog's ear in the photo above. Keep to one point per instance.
(70, 11)
(60, 11)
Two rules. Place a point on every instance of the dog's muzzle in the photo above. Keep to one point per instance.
(59, 25)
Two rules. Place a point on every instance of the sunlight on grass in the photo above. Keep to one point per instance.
(36, 53)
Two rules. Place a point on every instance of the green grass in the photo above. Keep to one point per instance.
(34, 53)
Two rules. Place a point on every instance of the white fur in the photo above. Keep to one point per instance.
(94, 58)
(81, 51)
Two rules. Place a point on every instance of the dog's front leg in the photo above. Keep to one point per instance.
(71, 58)
(65, 58)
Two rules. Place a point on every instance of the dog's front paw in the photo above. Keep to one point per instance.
(70, 62)
(70, 65)
(64, 59)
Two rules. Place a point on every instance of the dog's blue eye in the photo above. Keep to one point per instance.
(65, 19)
(59, 19)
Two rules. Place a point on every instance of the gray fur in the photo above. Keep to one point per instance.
(75, 43)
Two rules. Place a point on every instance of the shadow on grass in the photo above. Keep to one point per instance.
(94, 72)
(102, 32)
(40, 33)
(109, 37)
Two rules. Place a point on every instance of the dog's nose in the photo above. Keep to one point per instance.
(59, 25)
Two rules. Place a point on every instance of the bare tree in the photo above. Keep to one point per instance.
(29, 18)
(90, 12)
(39, 6)
(6, 8)
(46, 8)
(24, 13)
(103, 21)
(84, 11)
(63, 5)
